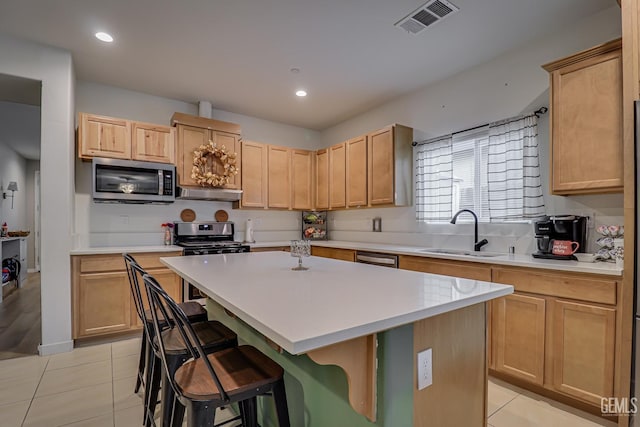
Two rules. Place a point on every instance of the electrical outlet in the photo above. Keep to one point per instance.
(124, 219)
(425, 369)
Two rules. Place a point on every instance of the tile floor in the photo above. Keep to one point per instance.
(93, 386)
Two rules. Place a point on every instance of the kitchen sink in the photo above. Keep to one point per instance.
(460, 252)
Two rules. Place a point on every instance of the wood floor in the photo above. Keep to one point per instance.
(20, 321)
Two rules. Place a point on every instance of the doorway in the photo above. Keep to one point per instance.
(20, 305)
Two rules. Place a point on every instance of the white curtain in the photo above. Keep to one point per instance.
(515, 190)
(434, 179)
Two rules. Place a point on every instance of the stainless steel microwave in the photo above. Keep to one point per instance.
(130, 181)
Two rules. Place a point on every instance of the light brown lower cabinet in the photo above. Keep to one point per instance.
(583, 339)
(518, 335)
(559, 334)
(102, 303)
(556, 332)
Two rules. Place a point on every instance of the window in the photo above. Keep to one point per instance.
(493, 171)
(470, 187)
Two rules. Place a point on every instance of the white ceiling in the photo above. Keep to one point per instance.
(238, 54)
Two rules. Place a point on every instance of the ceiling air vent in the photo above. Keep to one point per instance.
(426, 16)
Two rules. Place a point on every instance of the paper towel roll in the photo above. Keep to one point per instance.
(248, 232)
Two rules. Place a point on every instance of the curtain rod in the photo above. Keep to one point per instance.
(540, 111)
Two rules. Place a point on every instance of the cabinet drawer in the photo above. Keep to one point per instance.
(115, 262)
(577, 287)
(149, 261)
(335, 253)
(466, 270)
(101, 263)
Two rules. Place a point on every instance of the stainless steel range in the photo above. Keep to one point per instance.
(205, 238)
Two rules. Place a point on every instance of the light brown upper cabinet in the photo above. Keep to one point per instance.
(390, 166)
(586, 121)
(337, 176)
(301, 179)
(254, 175)
(279, 177)
(194, 131)
(100, 136)
(275, 177)
(322, 179)
(356, 175)
(153, 143)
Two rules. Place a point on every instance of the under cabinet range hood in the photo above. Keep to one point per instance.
(215, 194)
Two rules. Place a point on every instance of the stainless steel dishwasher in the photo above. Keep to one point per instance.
(375, 258)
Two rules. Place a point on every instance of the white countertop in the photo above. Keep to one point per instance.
(125, 249)
(333, 301)
(516, 260)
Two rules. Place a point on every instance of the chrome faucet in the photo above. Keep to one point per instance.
(477, 244)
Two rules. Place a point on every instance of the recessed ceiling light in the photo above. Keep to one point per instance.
(301, 93)
(105, 37)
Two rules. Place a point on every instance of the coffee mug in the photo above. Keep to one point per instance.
(564, 247)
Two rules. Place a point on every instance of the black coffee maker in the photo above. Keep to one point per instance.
(561, 227)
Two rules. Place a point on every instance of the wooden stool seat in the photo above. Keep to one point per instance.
(210, 334)
(195, 312)
(240, 369)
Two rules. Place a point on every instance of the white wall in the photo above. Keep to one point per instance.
(100, 224)
(54, 68)
(511, 84)
(32, 167)
(269, 132)
(13, 167)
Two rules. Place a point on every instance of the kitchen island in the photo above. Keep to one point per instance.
(370, 321)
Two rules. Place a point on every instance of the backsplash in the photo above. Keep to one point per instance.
(133, 225)
(399, 226)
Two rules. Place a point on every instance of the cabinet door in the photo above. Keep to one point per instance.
(519, 326)
(279, 177)
(583, 350)
(301, 170)
(357, 171)
(322, 179)
(153, 143)
(337, 176)
(103, 304)
(169, 281)
(381, 167)
(189, 138)
(104, 137)
(254, 175)
(232, 143)
(586, 133)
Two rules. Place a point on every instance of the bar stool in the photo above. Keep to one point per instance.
(213, 336)
(195, 312)
(207, 382)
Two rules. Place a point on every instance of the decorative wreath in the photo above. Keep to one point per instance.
(201, 156)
